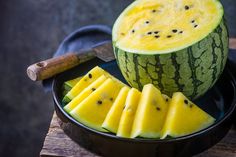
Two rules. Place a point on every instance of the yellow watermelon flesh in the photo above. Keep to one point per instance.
(128, 114)
(84, 94)
(90, 77)
(71, 83)
(161, 26)
(184, 117)
(93, 110)
(150, 114)
(112, 120)
(166, 98)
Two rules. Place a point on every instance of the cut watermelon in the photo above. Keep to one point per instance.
(127, 117)
(93, 110)
(166, 98)
(90, 77)
(112, 120)
(177, 45)
(184, 117)
(84, 94)
(71, 83)
(150, 114)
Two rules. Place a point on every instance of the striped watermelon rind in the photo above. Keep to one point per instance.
(192, 70)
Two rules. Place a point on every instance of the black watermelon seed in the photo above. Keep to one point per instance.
(99, 102)
(157, 36)
(195, 26)
(111, 99)
(156, 32)
(90, 75)
(186, 101)
(181, 32)
(168, 36)
(153, 10)
(133, 31)
(149, 33)
(191, 105)
(174, 30)
(167, 99)
(93, 89)
(147, 22)
(186, 7)
(192, 21)
(158, 108)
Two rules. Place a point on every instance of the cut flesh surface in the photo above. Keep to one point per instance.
(184, 117)
(72, 83)
(93, 110)
(128, 114)
(163, 26)
(84, 94)
(112, 120)
(90, 77)
(150, 114)
(166, 98)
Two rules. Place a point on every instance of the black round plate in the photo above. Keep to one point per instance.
(218, 101)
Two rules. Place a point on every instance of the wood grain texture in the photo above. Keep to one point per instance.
(58, 144)
(50, 67)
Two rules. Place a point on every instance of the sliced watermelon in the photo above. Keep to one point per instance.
(84, 94)
(184, 117)
(71, 83)
(150, 114)
(128, 114)
(93, 110)
(90, 77)
(112, 120)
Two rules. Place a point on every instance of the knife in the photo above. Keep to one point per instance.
(50, 67)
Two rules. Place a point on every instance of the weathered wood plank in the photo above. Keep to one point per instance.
(58, 144)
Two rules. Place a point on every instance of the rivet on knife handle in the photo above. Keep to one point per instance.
(48, 68)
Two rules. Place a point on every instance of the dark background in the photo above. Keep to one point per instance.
(31, 30)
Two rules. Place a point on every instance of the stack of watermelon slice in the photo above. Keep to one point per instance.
(100, 101)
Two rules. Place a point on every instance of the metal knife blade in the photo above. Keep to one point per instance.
(104, 51)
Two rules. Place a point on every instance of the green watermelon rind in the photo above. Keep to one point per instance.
(171, 72)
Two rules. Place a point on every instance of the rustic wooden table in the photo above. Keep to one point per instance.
(58, 144)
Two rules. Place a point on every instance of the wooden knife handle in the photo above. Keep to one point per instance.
(48, 68)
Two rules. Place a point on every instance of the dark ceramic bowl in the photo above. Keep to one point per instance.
(219, 102)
